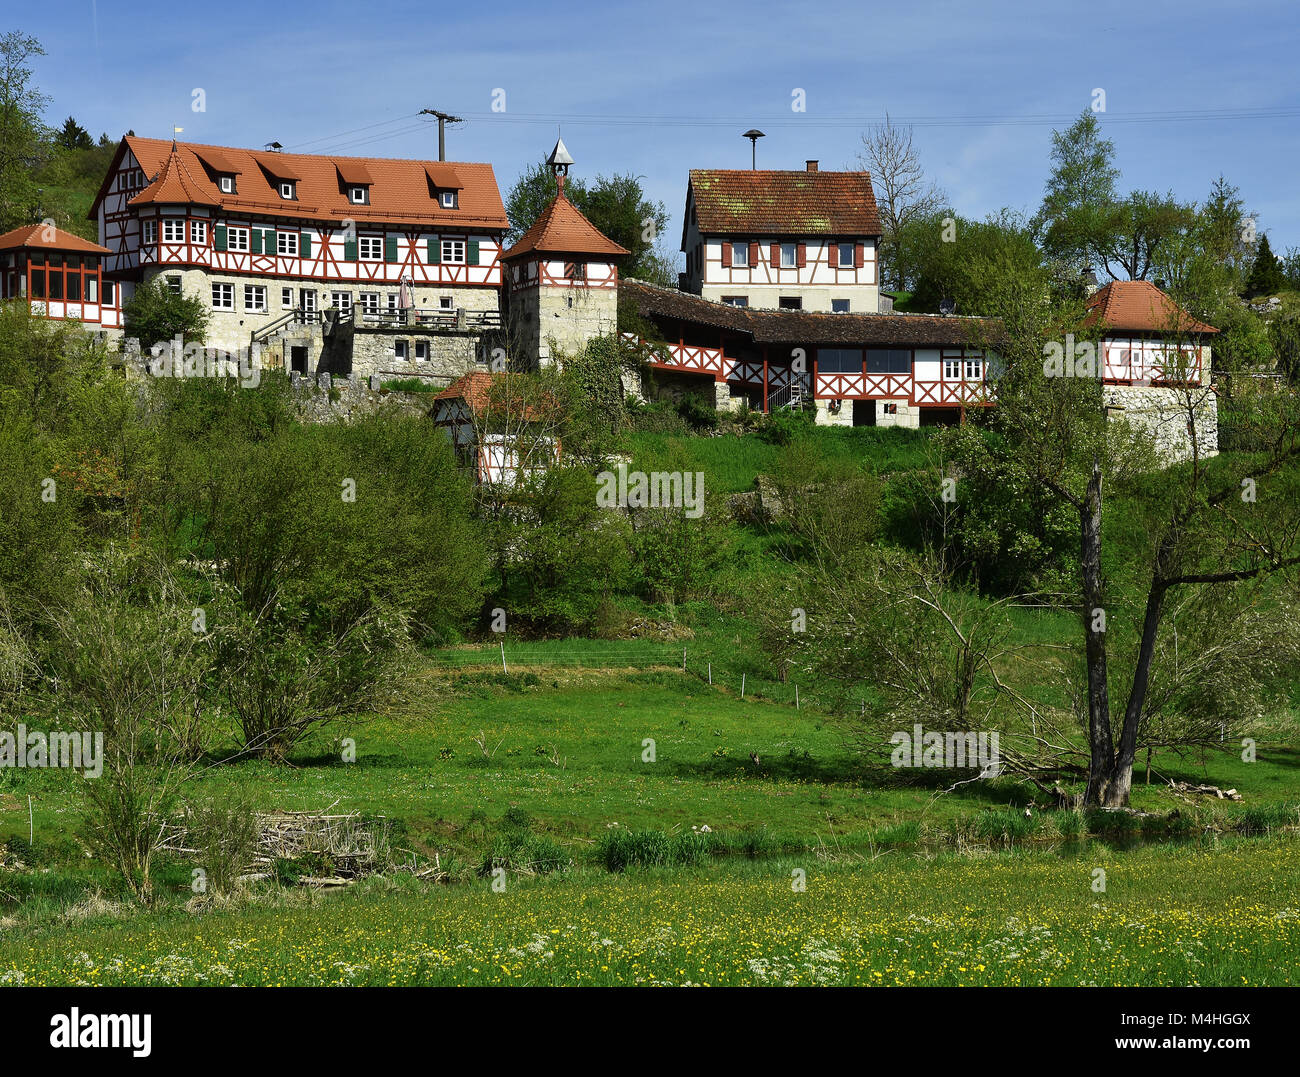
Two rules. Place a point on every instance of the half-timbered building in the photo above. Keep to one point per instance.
(1155, 366)
(271, 240)
(782, 240)
(855, 369)
(561, 278)
(60, 275)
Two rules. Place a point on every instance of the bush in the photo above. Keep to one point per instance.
(155, 313)
(224, 836)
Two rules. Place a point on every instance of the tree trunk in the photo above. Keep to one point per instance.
(1100, 744)
(1122, 779)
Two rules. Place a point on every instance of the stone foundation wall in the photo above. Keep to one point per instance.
(825, 417)
(1163, 413)
(906, 415)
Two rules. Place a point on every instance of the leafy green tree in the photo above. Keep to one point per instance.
(571, 554)
(1130, 233)
(21, 131)
(959, 259)
(155, 313)
(616, 204)
(1266, 276)
(1192, 526)
(1080, 186)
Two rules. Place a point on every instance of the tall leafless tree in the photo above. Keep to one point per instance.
(903, 191)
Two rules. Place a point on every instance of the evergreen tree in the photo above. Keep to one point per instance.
(1266, 275)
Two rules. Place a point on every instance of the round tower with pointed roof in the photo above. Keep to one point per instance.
(561, 279)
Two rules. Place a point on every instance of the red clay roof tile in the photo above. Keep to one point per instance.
(400, 191)
(1138, 306)
(783, 203)
(33, 235)
(562, 229)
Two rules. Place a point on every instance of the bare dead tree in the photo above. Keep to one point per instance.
(903, 191)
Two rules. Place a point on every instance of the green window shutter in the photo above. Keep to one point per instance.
(390, 248)
(471, 257)
(435, 251)
(350, 250)
(255, 241)
(304, 245)
(219, 238)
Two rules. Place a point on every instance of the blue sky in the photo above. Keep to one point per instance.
(1192, 88)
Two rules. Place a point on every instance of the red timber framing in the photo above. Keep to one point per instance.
(960, 376)
(326, 249)
(1142, 360)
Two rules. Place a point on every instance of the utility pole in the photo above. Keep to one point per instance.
(444, 118)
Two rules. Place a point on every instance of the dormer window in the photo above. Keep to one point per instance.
(447, 199)
(227, 184)
(287, 189)
(359, 196)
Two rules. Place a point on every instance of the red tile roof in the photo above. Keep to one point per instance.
(476, 390)
(33, 235)
(175, 185)
(562, 229)
(402, 192)
(1138, 306)
(783, 203)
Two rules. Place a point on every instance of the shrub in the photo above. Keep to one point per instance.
(224, 836)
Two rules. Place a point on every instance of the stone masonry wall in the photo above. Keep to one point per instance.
(1163, 413)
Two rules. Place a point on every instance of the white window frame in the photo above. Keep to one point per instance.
(357, 196)
(227, 184)
(446, 302)
(286, 189)
(227, 296)
(369, 302)
(286, 244)
(286, 298)
(199, 232)
(237, 240)
(370, 248)
(173, 229)
(421, 346)
(307, 300)
(447, 199)
(341, 301)
(255, 299)
(401, 351)
(840, 261)
(453, 252)
(793, 249)
(149, 231)
(740, 255)
(174, 284)
(393, 298)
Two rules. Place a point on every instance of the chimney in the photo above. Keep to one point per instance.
(812, 166)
